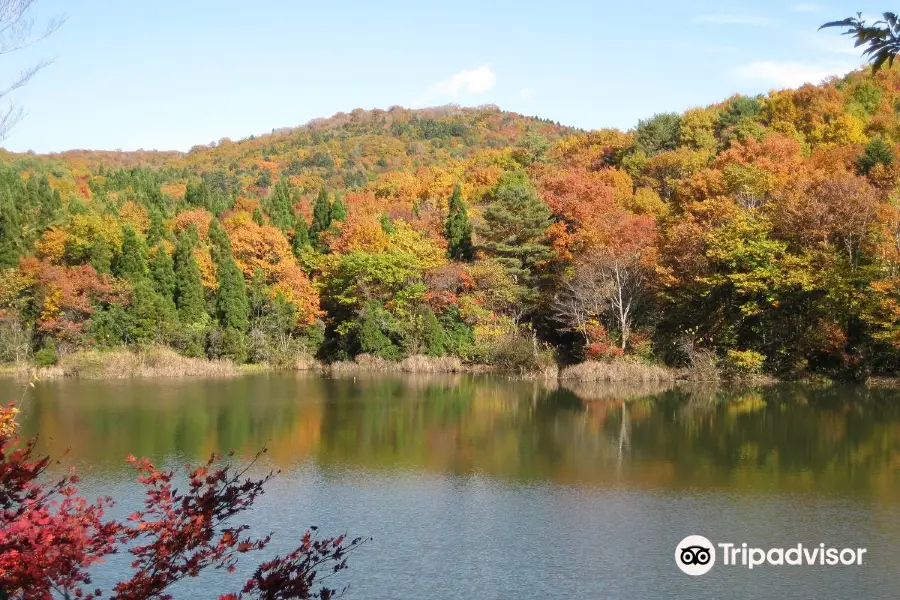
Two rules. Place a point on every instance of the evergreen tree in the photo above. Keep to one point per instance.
(301, 235)
(457, 228)
(131, 264)
(321, 220)
(258, 217)
(231, 297)
(157, 230)
(877, 152)
(188, 284)
(232, 306)
(387, 225)
(101, 256)
(10, 230)
(219, 238)
(516, 222)
(148, 316)
(280, 206)
(339, 210)
(162, 273)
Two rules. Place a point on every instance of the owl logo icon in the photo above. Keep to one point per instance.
(695, 555)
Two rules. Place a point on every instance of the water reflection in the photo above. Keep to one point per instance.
(834, 439)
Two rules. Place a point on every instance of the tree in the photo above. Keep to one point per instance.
(131, 264)
(607, 284)
(51, 538)
(877, 152)
(658, 133)
(188, 286)
(321, 220)
(162, 272)
(16, 26)
(880, 40)
(457, 228)
(515, 226)
(280, 206)
(10, 229)
(231, 297)
(339, 210)
(258, 216)
(301, 235)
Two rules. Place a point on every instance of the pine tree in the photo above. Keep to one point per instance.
(877, 152)
(301, 235)
(321, 220)
(162, 273)
(10, 230)
(516, 222)
(148, 317)
(387, 225)
(232, 306)
(219, 238)
(338, 210)
(188, 284)
(231, 297)
(457, 228)
(101, 256)
(131, 264)
(157, 230)
(280, 206)
(258, 217)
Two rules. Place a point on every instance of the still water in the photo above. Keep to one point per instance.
(476, 487)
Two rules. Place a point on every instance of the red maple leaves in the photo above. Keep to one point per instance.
(50, 537)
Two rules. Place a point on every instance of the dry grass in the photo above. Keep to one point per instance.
(367, 363)
(125, 364)
(620, 370)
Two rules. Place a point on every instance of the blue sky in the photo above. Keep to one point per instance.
(168, 74)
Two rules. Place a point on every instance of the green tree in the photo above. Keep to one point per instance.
(188, 284)
(339, 210)
(10, 230)
(280, 206)
(231, 297)
(658, 133)
(515, 225)
(321, 220)
(457, 228)
(149, 317)
(162, 272)
(258, 217)
(877, 152)
(101, 256)
(301, 235)
(157, 231)
(131, 264)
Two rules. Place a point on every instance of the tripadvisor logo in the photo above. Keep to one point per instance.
(696, 555)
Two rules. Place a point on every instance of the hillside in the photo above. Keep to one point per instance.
(758, 234)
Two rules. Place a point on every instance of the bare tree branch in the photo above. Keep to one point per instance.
(16, 27)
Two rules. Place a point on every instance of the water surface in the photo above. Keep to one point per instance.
(476, 487)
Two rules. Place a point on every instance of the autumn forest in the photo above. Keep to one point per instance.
(760, 234)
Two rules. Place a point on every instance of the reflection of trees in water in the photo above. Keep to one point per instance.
(795, 436)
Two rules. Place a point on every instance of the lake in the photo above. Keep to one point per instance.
(483, 487)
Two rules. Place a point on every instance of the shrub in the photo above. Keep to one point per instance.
(742, 362)
(46, 356)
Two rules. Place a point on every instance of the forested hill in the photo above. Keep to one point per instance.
(756, 234)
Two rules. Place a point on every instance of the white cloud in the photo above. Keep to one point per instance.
(790, 74)
(834, 44)
(526, 92)
(469, 81)
(808, 7)
(735, 19)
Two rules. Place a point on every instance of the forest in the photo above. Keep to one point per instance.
(757, 235)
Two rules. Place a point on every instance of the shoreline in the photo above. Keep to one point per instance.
(164, 363)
